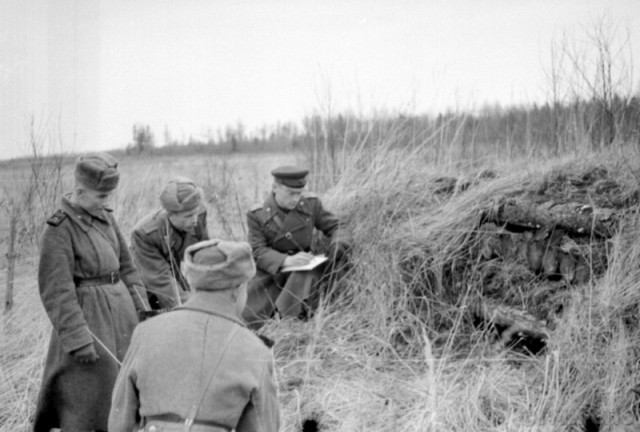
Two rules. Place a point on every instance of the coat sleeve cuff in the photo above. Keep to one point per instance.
(276, 263)
(76, 339)
(139, 297)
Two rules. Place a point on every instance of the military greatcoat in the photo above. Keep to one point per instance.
(78, 246)
(158, 249)
(275, 233)
(206, 357)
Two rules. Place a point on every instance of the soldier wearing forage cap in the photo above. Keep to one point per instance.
(216, 374)
(158, 242)
(280, 234)
(89, 288)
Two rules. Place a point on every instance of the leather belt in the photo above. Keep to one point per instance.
(108, 279)
(175, 418)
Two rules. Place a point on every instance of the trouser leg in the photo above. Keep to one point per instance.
(295, 292)
(262, 293)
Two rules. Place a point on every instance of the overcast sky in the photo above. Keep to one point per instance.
(86, 70)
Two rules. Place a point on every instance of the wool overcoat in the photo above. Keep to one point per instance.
(207, 358)
(77, 245)
(158, 249)
(275, 234)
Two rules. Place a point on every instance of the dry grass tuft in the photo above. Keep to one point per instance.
(23, 342)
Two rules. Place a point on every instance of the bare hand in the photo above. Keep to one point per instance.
(299, 259)
(86, 355)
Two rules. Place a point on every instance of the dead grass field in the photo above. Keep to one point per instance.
(371, 360)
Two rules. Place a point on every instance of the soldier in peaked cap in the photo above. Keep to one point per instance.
(216, 374)
(91, 292)
(281, 234)
(158, 242)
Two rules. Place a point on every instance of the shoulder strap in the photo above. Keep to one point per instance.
(262, 213)
(286, 234)
(150, 225)
(278, 222)
(173, 262)
(193, 411)
(57, 218)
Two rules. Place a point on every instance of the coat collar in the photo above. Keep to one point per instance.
(208, 302)
(272, 207)
(303, 206)
(165, 225)
(79, 215)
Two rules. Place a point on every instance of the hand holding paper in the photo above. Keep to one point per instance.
(299, 259)
(311, 263)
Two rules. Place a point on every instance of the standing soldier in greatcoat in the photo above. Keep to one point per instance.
(281, 233)
(158, 242)
(89, 288)
(198, 368)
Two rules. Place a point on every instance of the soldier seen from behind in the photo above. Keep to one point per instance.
(198, 368)
(281, 232)
(158, 242)
(92, 294)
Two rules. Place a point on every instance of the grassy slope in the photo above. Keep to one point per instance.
(370, 360)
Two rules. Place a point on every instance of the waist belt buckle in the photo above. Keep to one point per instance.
(114, 278)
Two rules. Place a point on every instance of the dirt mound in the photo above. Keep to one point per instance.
(510, 248)
(529, 248)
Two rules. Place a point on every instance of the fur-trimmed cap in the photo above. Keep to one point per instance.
(180, 194)
(218, 264)
(97, 171)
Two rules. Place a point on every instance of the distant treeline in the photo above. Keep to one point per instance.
(548, 129)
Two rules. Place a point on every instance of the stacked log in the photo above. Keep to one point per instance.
(516, 329)
(575, 218)
(549, 251)
(530, 244)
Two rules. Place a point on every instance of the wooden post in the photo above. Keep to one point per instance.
(11, 261)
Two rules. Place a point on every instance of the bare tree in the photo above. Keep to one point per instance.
(557, 94)
(143, 139)
(31, 195)
(599, 71)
